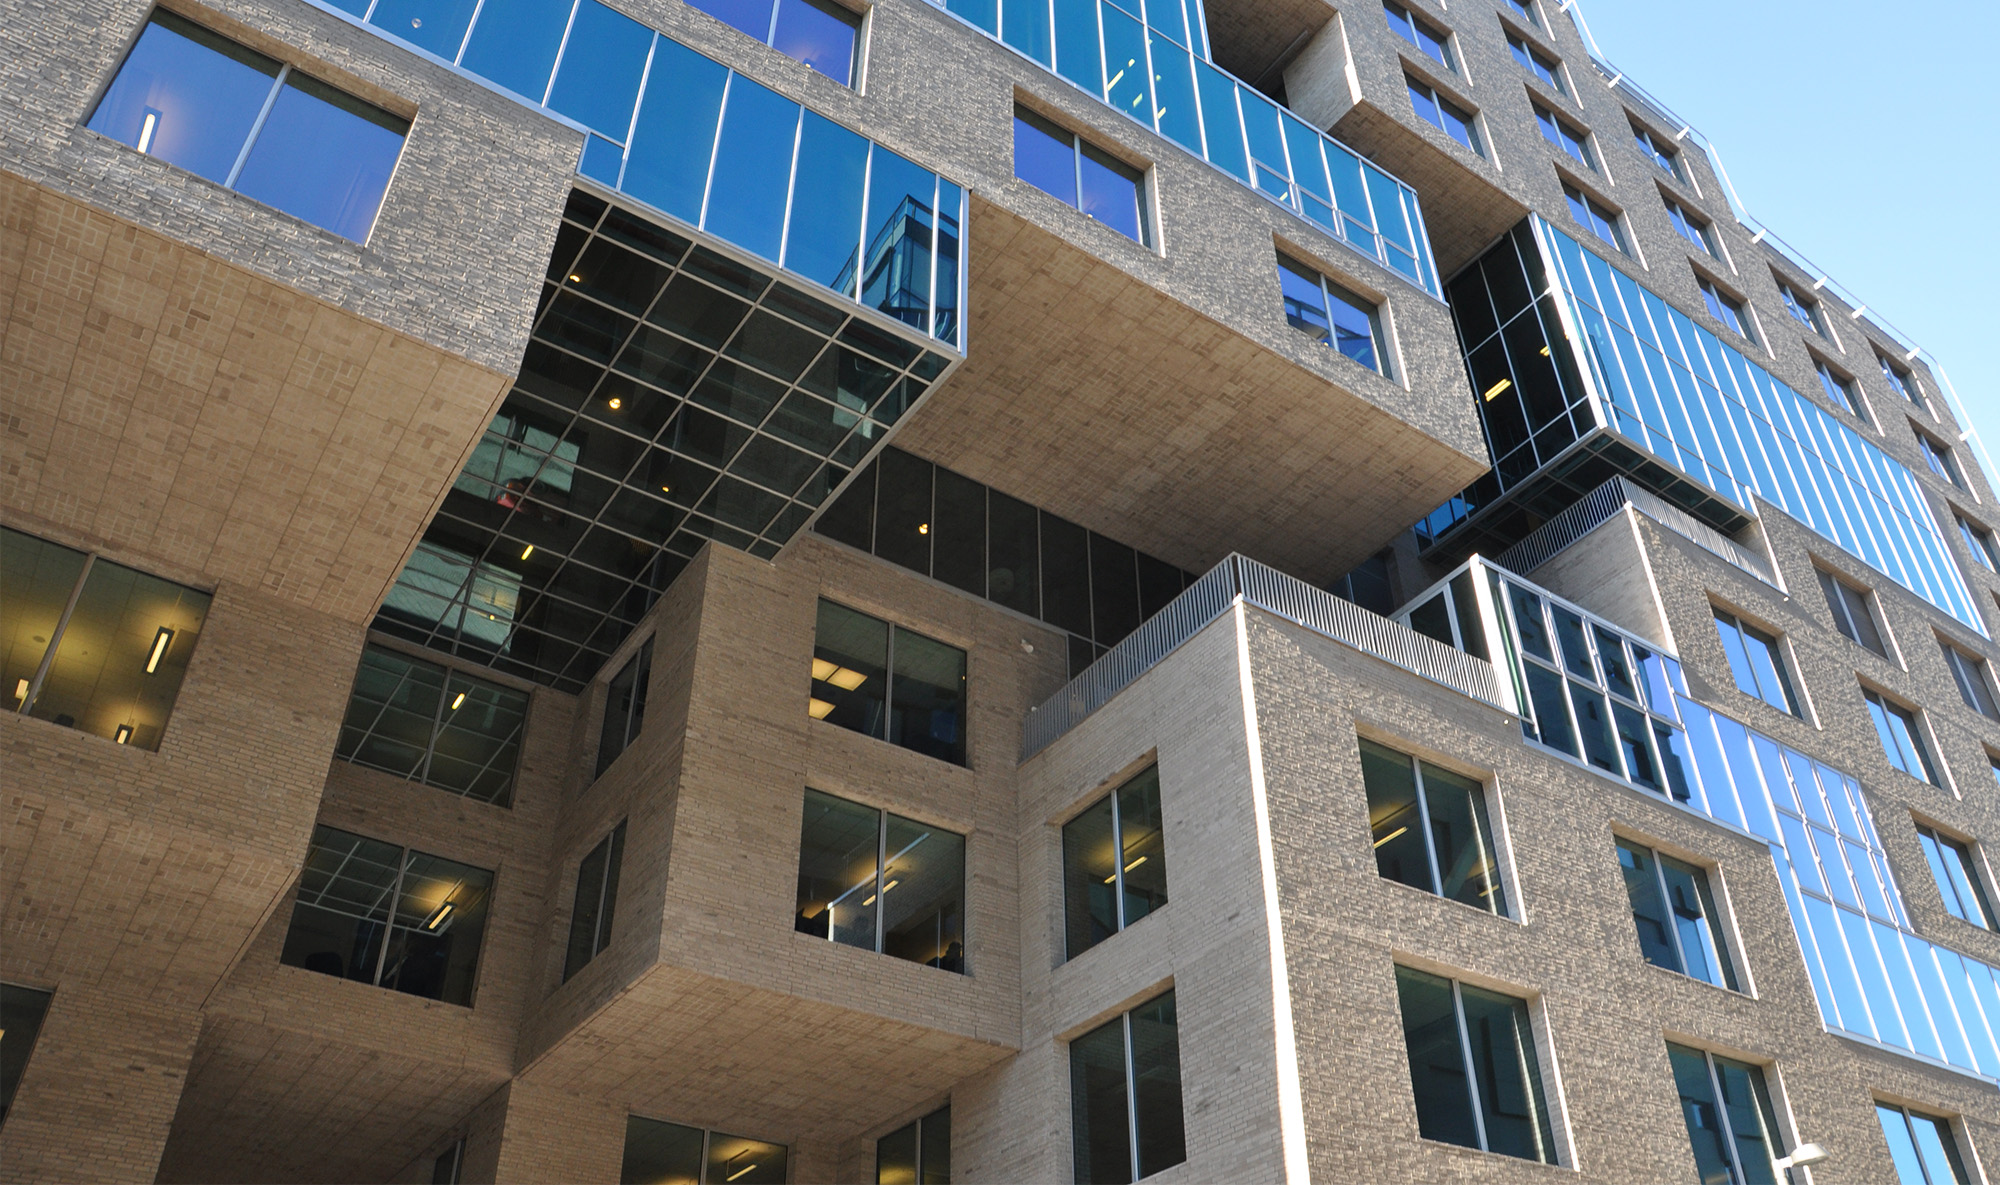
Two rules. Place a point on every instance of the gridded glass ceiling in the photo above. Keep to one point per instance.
(669, 396)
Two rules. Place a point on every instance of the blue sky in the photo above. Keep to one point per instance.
(1859, 134)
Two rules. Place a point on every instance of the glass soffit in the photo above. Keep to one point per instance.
(670, 394)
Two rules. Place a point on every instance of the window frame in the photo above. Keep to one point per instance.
(1696, 229)
(1935, 841)
(963, 758)
(1420, 28)
(1940, 458)
(1134, 1165)
(640, 667)
(858, 21)
(1498, 900)
(1835, 587)
(1119, 862)
(1544, 1121)
(1718, 299)
(1649, 142)
(1568, 140)
(1903, 381)
(1780, 660)
(1883, 706)
(918, 1156)
(884, 862)
(1543, 66)
(1767, 1109)
(1415, 85)
(446, 705)
(1978, 540)
(1081, 148)
(1973, 677)
(1527, 10)
(708, 1137)
(1713, 900)
(1949, 1141)
(1806, 311)
(613, 845)
(1841, 390)
(1576, 195)
(1330, 293)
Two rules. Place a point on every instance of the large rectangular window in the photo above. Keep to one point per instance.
(1430, 829)
(1938, 455)
(1957, 875)
(22, 1010)
(823, 35)
(1678, 924)
(1660, 150)
(1537, 63)
(1693, 228)
(1840, 390)
(917, 1153)
(93, 645)
(624, 707)
(1317, 306)
(1473, 1067)
(1125, 1096)
(1568, 140)
(424, 722)
(1974, 686)
(223, 111)
(395, 917)
(1979, 541)
(1732, 1128)
(1802, 309)
(1922, 1147)
(889, 683)
(881, 882)
(662, 1153)
(1600, 218)
(1454, 120)
(1114, 863)
(596, 901)
(1064, 165)
(1757, 661)
(1723, 307)
(1901, 381)
(1853, 615)
(1433, 41)
(1901, 735)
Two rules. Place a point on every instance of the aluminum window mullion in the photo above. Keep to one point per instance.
(1131, 1097)
(1423, 824)
(1471, 1071)
(603, 881)
(771, 26)
(889, 681)
(55, 637)
(715, 150)
(257, 126)
(437, 727)
(562, 47)
(639, 102)
(881, 858)
(930, 307)
(791, 175)
(1117, 862)
(1736, 1173)
(1667, 899)
(389, 928)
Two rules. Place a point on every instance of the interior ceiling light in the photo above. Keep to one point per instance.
(614, 403)
(575, 278)
(435, 923)
(149, 128)
(124, 734)
(819, 708)
(459, 702)
(839, 676)
(527, 551)
(21, 689)
(923, 528)
(1495, 389)
(1393, 834)
(161, 641)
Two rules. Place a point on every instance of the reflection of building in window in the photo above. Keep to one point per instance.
(444, 728)
(448, 590)
(1731, 1125)
(1430, 829)
(394, 917)
(93, 645)
(881, 882)
(1474, 1067)
(1675, 914)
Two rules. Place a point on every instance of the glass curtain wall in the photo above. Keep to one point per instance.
(93, 645)
(694, 139)
(421, 721)
(936, 523)
(1114, 863)
(668, 397)
(1149, 60)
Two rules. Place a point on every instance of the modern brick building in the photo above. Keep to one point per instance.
(1016, 590)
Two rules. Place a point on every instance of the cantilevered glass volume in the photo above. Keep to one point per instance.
(1655, 396)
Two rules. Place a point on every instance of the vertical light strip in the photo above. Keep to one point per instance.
(1291, 1102)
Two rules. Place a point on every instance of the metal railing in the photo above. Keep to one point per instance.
(1604, 502)
(1239, 577)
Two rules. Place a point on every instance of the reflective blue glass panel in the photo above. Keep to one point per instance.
(1079, 58)
(325, 156)
(186, 96)
(752, 17)
(1173, 88)
(753, 159)
(672, 139)
(896, 250)
(1111, 193)
(1126, 85)
(515, 43)
(598, 79)
(1026, 28)
(435, 25)
(818, 34)
(825, 230)
(1044, 158)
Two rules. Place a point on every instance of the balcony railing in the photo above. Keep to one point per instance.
(1598, 506)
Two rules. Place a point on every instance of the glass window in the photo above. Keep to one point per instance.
(93, 645)
(888, 682)
(449, 1166)
(1114, 863)
(1840, 389)
(228, 113)
(1852, 614)
(1957, 875)
(1429, 828)
(1693, 228)
(1901, 381)
(1435, 109)
(1723, 307)
(1732, 1127)
(1323, 309)
(1435, 42)
(853, 857)
(917, 1153)
(1938, 456)
(395, 917)
(1805, 311)
(1064, 165)
(1601, 219)
(1526, 9)
(1676, 916)
(424, 722)
(1572, 143)
(1922, 1147)
(1757, 662)
(1969, 672)
(661, 1153)
(1474, 1067)
(596, 901)
(22, 1010)
(1125, 1096)
(1979, 541)
(1660, 151)
(1537, 63)
(624, 707)
(1902, 738)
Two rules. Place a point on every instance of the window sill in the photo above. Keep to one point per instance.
(1684, 977)
(1485, 1157)
(1101, 943)
(886, 959)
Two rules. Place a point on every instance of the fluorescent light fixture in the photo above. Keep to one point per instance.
(437, 920)
(1493, 392)
(819, 708)
(148, 128)
(161, 641)
(847, 680)
(123, 734)
(459, 702)
(885, 889)
(822, 670)
(21, 689)
(1135, 864)
(1545, 351)
(527, 551)
(739, 1172)
(1393, 834)
(575, 278)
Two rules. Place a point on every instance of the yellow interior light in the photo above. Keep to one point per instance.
(614, 403)
(823, 670)
(161, 641)
(527, 551)
(459, 702)
(124, 734)
(438, 919)
(739, 1172)
(819, 708)
(923, 528)
(21, 689)
(575, 278)
(1393, 834)
(845, 679)
(1135, 864)
(1545, 351)
(1494, 390)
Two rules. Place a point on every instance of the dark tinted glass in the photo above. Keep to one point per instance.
(958, 537)
(1156, 1079)
(850, 670)
(1013, 575)
(1099, 1100)
(903, 511)
(1114, 591)
(21, 1013)
(1509, 1078)
(658, 1153)
(1394, 824)
(1437, 1058)
(896, 1157)
(1090, 878)
(927, 712)
(935, 1132)
(1649, 906)
(1065, 575)
(596, 894)
(923, 894)
(1142, 840)
(839, 853)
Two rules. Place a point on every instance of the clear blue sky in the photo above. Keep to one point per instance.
(1859, 134)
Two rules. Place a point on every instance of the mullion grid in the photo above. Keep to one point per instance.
(694, 526)
(440, 720)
